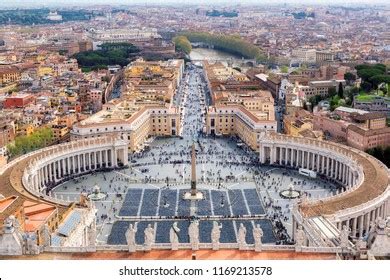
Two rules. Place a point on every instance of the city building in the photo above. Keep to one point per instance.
(304, 55)
(371, 132)
(9, 74)
(7, 133)
(357, 128)
(134, 123)
(324, 56)
(271, 83)
(300, 124)
(372, 103)
(152, 80)
(18, 101)
(314, 88)
(236, 120)
(59, 131)
(129, 35)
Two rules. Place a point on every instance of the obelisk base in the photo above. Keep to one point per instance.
(193, 196)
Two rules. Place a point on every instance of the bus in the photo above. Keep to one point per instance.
(308, 173)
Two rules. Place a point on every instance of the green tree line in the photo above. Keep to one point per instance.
(372, 75)
(24, 144)
(182, 44)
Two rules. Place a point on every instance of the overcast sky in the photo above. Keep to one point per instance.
(28, 3)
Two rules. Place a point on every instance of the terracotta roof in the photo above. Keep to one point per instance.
(11, 185)
(368, 116)
(4, 203)
(36, 214)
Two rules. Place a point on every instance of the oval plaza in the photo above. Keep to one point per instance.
(173, 177)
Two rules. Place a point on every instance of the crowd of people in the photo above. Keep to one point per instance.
(221, 163)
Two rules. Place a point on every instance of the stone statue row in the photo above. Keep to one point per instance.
(193, 233)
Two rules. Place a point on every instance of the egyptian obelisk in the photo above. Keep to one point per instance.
(193, 194)
(193, 171)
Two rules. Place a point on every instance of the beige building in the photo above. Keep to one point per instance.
(324, 56)
(260, 102)
(132, 122)
(371, 132)
(237, 120)
(304, 55)
(317, 88)
(300, 124)
(9, 74)
(59, 131)
(357, 128)
(153, 80)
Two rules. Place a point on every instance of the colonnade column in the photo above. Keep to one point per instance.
(113, 158)
(78, 163)
(106, 157)
(361, 225)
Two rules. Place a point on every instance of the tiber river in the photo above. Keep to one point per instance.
(210, 54)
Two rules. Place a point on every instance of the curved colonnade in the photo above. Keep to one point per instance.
(366, 181)
(40, 171)
(364, 198)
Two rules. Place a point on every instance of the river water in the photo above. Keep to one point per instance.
(210, 54)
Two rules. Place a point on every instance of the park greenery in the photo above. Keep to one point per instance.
(335, 97)
(182, 44)
(229, 43)
(372, 75)
(39, 16)
(24, 144)
(375, 82)
(109, 54)
(284, 69)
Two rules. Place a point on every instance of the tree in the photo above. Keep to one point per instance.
(340, 91)
(349, 77)
(372, 75)
(115, 53)
(314, 100)
(284, 69)
(332, 91)
(378, 79)
(24, 144)
(182, 44)
(382, 154)
(304, 106)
